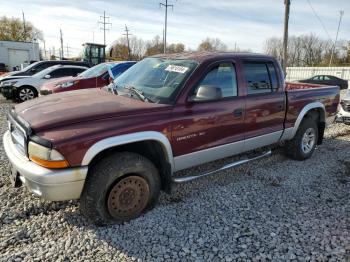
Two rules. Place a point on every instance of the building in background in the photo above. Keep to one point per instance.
(16, 55)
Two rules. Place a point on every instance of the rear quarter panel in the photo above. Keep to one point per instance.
(297, 99)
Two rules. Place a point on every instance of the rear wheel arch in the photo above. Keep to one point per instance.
(317, 111)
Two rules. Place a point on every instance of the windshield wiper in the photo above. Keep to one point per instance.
(138, 93)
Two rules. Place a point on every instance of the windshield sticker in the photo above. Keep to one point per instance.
(177, 69)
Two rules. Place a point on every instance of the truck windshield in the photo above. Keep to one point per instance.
(96, 70)
(157, 78)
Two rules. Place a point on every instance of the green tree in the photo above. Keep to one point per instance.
(12, 29)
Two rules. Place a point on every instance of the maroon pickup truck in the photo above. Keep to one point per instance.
(117, 151)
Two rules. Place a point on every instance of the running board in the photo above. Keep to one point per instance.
(185, 179)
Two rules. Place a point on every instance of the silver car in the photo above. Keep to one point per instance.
(27, 88)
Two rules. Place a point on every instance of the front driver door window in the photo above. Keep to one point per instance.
(222, 76)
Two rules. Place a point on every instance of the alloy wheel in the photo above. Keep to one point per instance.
(26, 94)
(308, 140)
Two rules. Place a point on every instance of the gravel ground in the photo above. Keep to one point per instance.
(273, 209)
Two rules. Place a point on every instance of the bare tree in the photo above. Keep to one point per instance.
(119, 49)
(212, 44)
(303, 50)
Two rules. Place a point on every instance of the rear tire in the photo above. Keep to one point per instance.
(304, 142)
(119, 188)
(26, 93)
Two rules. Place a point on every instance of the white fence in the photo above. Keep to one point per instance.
(298, 73)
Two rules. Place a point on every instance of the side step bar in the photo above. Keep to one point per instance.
(185, 179)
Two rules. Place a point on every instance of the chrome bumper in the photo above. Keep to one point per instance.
(50, 184)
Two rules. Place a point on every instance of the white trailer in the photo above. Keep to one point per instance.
(18, 54)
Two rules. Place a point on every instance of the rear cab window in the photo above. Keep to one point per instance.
(260, 77)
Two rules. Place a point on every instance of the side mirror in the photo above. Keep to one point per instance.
(110, 80)
(206, 93)
(47, 77)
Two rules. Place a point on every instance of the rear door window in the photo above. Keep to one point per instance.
(257, 78)
(61, 72)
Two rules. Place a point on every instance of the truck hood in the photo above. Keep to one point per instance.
(67, 108)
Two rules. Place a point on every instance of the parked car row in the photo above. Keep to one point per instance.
(50, 79)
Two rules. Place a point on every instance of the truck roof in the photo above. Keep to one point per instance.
(203, 56)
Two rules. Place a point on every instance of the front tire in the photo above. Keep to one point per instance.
(119, 188)
(303, 144)
(26, 93)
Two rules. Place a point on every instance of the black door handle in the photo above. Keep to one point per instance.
(238, 112)
(280, 107)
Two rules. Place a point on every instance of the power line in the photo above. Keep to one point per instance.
(127, 41)
(104, 23)
(166, 5)
(319, 19)
(341, 13)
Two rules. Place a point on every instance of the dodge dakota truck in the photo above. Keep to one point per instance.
(117, 151)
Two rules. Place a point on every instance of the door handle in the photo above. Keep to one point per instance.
(238, 112)
(280, 107)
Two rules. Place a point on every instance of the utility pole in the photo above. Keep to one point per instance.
(165, 22)
(127, 41)
(62, 51)
(24, 27)
(285, 36)
(67, 51)
(104, 23)
(341, 13)
(45, 49)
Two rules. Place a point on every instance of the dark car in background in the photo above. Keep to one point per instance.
(39, 66)
(327, 80)
(95, 77)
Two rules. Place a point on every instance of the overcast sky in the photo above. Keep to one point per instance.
(245, 22)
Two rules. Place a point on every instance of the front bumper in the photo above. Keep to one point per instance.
(44, 92)
(8, 91)
(343, 116)
(50, 184)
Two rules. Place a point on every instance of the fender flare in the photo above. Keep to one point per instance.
(290, 132)
(110, 142)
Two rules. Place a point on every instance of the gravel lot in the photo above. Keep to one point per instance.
(273, 209)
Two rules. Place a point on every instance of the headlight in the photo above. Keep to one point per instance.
(46, 157)
(8, 83)
(67, 84)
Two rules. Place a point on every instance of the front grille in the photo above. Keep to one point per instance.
(18, 135)
(345, 105)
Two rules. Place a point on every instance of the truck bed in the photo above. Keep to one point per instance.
(301, 94)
